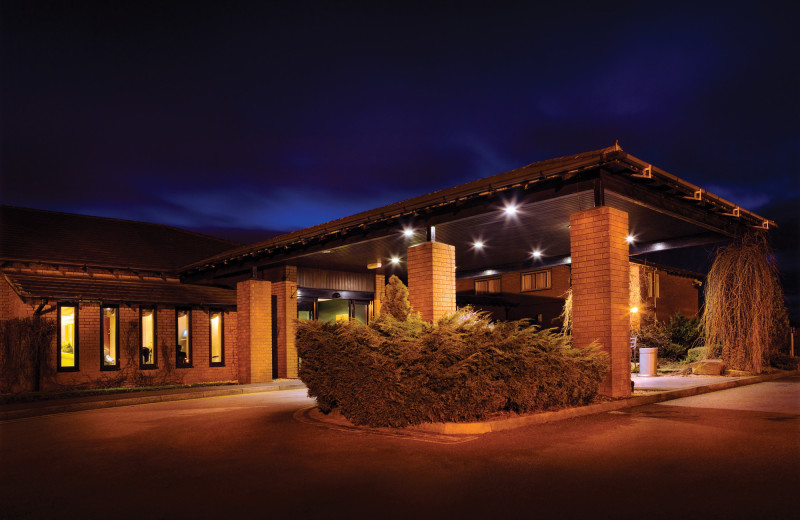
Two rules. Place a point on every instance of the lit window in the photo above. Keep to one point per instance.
(148, 357)
(67, 338)
(183, 350)
(110, 337)
(653, 285)
(487, 286)
(217, 345)
(536, 280)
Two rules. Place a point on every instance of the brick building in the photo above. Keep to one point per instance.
(136, 302)
(538, 294)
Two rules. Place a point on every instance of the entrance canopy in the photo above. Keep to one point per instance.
(514, 220)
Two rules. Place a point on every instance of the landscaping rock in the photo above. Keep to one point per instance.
(738, 373)
(708, 367)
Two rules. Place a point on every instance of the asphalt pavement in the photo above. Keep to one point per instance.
(732, 453)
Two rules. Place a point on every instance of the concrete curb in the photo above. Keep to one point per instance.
(472, 428)
(48, 409)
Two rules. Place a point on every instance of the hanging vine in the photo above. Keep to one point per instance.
(745, 317)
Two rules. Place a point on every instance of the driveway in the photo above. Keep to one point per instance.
(730, 454)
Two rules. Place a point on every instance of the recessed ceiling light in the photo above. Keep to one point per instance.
(408, 232)
(537, 254)
(478, 244)
(510, 209)
(395, 260)
(630, 239)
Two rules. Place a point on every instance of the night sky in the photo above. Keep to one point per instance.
(251, 116)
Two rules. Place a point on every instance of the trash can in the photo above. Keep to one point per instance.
(648, 361)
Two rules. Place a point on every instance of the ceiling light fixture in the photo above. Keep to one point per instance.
(510, 209)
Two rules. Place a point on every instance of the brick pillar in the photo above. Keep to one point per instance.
(254, 330)
(287, 326)
(600, 299)
(635, 298)
(432, 279)
(380, 294)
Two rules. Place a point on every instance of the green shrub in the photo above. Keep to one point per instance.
(695, 354)
(397, 373)
(783, 361)
(673, 339)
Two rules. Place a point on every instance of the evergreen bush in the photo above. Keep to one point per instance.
(398, 372)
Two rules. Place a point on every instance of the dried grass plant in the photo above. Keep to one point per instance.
(744, 309)
(566, 314)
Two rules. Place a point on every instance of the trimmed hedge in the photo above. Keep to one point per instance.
(398, 373)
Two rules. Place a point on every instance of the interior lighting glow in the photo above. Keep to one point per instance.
(634, 310)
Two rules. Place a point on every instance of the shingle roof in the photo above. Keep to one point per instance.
(109, 290)
(54, 237)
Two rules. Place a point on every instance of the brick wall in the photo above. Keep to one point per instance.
(11, 305)
(431, 279)
(600, 290)
(287, 321)
(529, 304)
(90, 353)
(380, 294)
(254, 330)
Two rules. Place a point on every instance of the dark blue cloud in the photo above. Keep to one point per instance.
(198, 114)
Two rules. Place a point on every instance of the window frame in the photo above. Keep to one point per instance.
(75, 347)
(533, 274)
(221, 362)
(488, 279)
(116, 365)
(190, 363)
(154, 364)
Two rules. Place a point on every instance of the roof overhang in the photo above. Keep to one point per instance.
(665, 212)
(57, 287)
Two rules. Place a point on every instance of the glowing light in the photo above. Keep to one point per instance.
(634, 310)
(478, 244)
(408, 232)
(395, 260)
(537, 254)
(630, 239)
(511, 210)
(489, 271)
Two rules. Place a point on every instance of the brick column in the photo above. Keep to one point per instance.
(432, 279)
(287, 326)
(600, 299)
(254, 330)
(635, 297)
(380, 294)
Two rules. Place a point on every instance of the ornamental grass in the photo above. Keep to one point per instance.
(744, 310)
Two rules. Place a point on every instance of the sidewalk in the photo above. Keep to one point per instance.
(665, 383)
(648, 390)
(74, 404)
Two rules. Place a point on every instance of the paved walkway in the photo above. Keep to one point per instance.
(110, 400)
(648, 390)
(666, 383)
